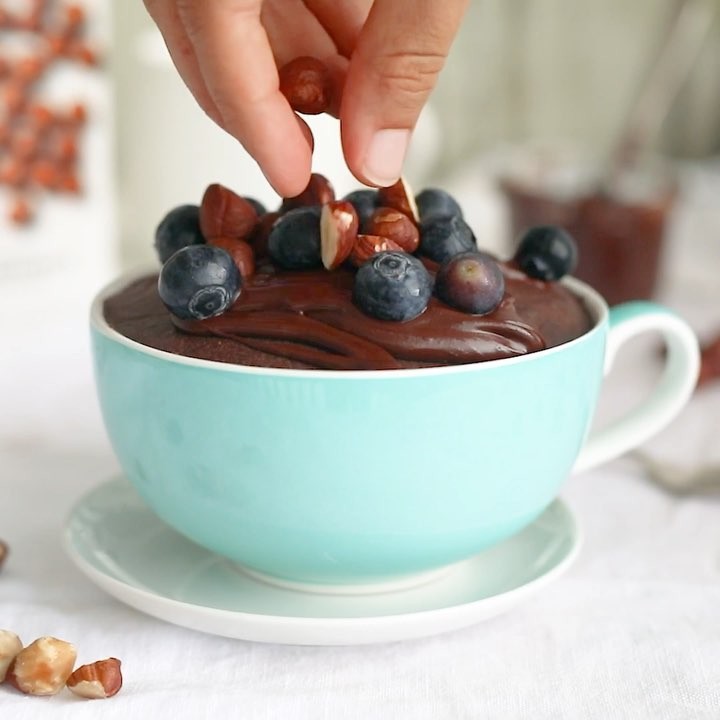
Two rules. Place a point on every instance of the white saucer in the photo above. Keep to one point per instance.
(124, 548)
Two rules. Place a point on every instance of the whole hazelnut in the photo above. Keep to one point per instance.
(240, 251)
(307, 85)
(223, 213)
(396, 226)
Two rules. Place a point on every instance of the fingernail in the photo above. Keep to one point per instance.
(385, 156)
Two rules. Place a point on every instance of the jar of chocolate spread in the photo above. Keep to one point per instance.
(619, 225)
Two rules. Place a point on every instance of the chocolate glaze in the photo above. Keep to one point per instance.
(307, 320)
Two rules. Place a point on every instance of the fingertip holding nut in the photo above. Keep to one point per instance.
(400, 197)
(319, 191)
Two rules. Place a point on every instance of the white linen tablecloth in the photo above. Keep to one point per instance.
(631, 631)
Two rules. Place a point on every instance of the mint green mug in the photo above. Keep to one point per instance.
(350, 479)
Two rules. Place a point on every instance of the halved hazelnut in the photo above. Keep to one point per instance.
(43, 667)
(98, 680)
(368, 245)
(259, 237)
(400, 197)
(395, 226)
(338, 229)
(319, 191)
(223, 213)
(307, 85)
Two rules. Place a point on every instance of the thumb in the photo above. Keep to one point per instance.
(399, 54)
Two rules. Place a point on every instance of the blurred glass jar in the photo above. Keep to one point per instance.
(620, 227)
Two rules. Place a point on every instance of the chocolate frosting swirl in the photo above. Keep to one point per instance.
(307, 319)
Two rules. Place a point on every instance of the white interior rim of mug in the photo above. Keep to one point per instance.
(594, 303)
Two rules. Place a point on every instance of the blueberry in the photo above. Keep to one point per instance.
(546, 252)
(442, 236)
(260, 209)
(392, 285)
(178, 229)
(472, 282)
(433, 201)
(199, 281)
(294, 241)
(365, 203)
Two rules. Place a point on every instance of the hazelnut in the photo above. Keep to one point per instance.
(368, 245)
(41, 117)
(45, 174)
(20, 211)
(69, 183)
(10, 646)
(43, 667)
(74, 15)
(338, 229)
(223, 213)
(400, 197)
(29, 69)
(64, 148)
(4, 550)
(259, 238)
(396, 226)
(13, 173)
(56, 45)
(307, 85)
(78, 114)
(82, 53)
(101, 679)
(319, 191)
(240, 251)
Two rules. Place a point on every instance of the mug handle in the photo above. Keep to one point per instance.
(682, 364)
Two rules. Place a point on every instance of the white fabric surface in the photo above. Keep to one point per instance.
(631, 631)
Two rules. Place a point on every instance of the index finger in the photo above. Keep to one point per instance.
(237, 65)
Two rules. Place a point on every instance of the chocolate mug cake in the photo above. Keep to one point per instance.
(376, 281)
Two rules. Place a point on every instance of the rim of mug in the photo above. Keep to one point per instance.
(593, 302)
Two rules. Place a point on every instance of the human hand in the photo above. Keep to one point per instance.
(384, 58)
